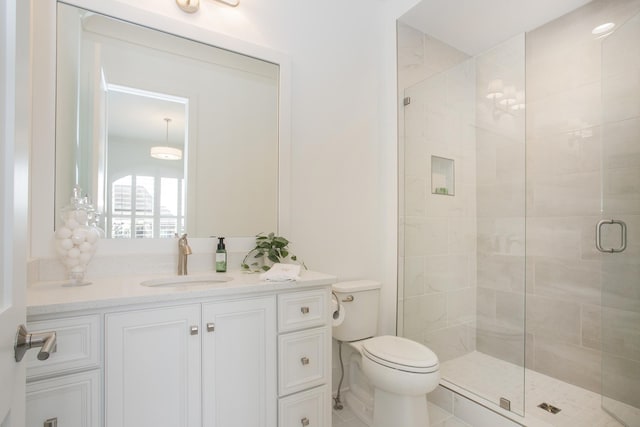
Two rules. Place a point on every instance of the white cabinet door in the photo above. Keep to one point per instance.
(239, 363)
(152, 368)
(67, 401)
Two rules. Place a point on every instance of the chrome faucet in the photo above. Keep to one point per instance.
(183, 251)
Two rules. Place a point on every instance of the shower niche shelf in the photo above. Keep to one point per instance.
(442, 176)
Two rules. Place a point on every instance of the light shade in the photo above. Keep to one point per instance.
(166, 153)
(495, 89)
(603, 28)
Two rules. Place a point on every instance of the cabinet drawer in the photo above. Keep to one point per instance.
(303, 361)
(300, 310)
(77, 346)
(72, 400)
(307, 409)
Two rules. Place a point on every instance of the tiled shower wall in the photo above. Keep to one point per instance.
(438, 243)
(567, 146)
(566, 153)
(500, 150)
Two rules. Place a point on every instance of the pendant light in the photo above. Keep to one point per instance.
(165, 152)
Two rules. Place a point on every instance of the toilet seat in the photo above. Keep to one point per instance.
(401, 354)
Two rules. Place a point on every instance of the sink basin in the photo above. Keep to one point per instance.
(180, 281)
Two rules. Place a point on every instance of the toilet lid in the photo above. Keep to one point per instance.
(400, 353)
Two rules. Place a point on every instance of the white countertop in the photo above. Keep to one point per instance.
(54, 297)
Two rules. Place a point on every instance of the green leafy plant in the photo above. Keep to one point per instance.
(268, 247)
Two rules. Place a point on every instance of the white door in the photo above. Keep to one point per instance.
(14, 191)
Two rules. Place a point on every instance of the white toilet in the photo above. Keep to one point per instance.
(400, 371)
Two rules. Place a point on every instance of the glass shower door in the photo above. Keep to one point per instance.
(618, 233)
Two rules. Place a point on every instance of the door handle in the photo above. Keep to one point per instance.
(24, 341)
(623, 235)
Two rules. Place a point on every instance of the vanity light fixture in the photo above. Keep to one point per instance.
(166, 152)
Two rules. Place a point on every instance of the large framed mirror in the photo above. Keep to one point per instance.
(163, 133)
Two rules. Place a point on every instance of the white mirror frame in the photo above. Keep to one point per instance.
(44, 114)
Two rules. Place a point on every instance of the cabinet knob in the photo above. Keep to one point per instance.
(194, 330)
(304, 360)
(304, 310)
(304, 421)
(211, 327)
(51, 422)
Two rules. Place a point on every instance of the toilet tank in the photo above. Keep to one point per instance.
(359, 300)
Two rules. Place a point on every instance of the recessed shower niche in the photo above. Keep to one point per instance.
(442, 176)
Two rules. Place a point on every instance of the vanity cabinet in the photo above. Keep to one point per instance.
(64, 390)
(258, 358)
(304, 364)
(207, 364)
(152, 367)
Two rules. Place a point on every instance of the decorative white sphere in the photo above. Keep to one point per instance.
(66, 244)
(63, 232)
(72, 223)
(79, 235)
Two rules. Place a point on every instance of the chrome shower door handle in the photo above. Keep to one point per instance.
(623, 235)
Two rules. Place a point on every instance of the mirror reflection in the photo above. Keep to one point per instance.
(165, 135)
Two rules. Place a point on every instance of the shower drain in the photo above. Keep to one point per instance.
(549, 408)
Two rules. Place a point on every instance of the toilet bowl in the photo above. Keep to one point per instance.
(398, 372)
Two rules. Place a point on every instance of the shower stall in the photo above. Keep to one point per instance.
(520, 215)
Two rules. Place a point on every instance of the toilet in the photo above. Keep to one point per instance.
(398, 372)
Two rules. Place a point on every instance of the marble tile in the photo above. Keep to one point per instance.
(621, 379)
(501, 272)
(501, 236)
(567, 362)
(591, 322)
(508, 199)
(621, 333)
(462, 235)
(451, 342)
(568, 279)
(424, 313)
(445, 273)
(425, 236)
(621, 149)
(461, 306)
(553, 319)
(442, 397)
(556, 237)
(413, 282)
(414, 195)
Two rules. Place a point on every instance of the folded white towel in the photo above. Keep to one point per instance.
(282, 273)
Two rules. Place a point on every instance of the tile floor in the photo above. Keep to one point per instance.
(437, 416)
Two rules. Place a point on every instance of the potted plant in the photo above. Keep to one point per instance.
(269, 249)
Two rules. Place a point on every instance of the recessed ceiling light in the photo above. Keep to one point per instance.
(603, 28)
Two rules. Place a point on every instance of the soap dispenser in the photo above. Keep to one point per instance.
(221, 256)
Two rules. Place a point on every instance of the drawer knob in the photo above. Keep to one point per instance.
(304, 360)
(51, 422)
(211, 327)
(304, 421)
(304, 310)
(194, 330)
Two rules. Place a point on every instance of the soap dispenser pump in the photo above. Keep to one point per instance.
(221, 256)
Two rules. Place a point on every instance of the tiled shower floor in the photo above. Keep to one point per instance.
(493, 378)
